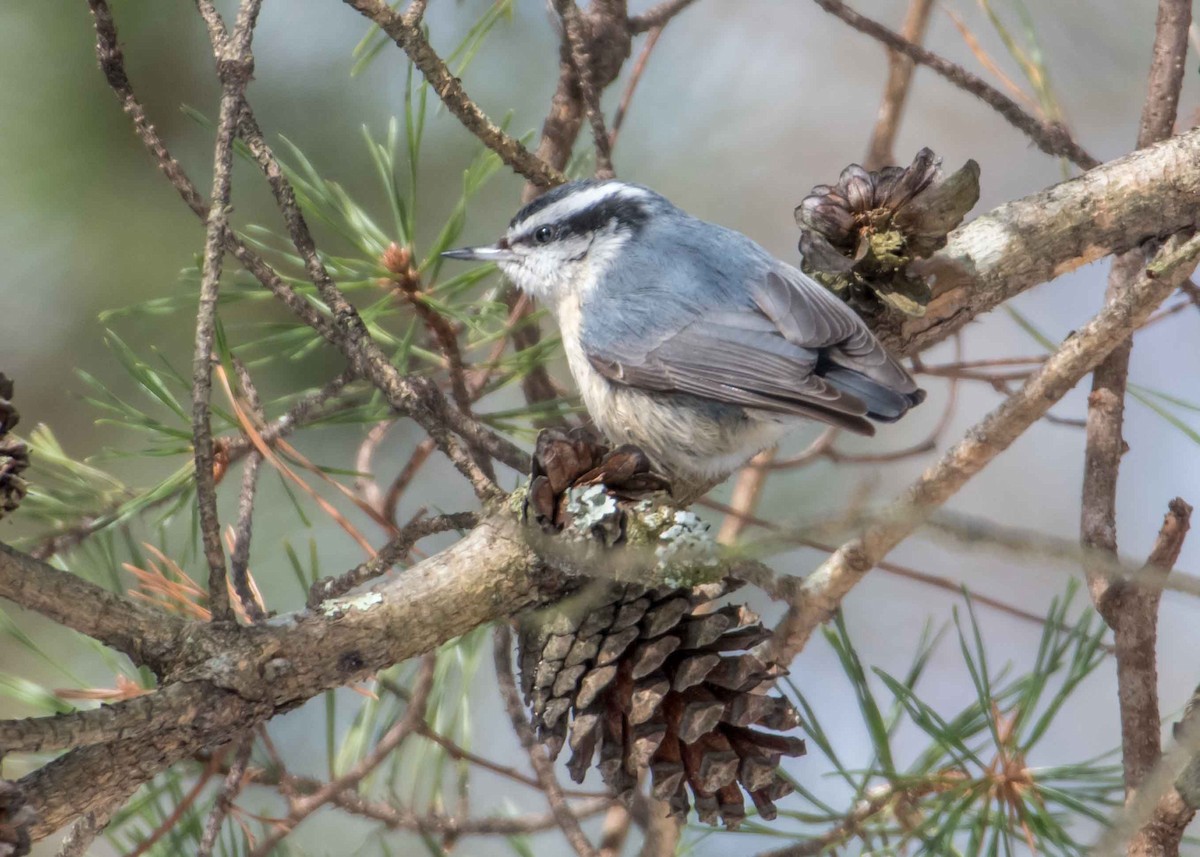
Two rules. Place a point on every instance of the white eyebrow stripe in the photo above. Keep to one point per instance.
(569, 206)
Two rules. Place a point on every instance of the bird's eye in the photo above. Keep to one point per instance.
(542, 235)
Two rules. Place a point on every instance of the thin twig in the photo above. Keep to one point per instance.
(453, 827)
(365, 483)
(903, 571)
(234, 67)
(658, 16)
(578, 48)
(895, 92)
(635, 77)
(112, 64)
(239, 561)
(230, 788)
(542, 766)
(405, 31)
(1053, 139)
(305, 806)
(178, 811)
(454, 751)
(393, 552)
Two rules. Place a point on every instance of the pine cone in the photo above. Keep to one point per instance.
(565, 460)
(16, 817)
(859, 236)
(650, 677)
(646, 679)
(14, 455)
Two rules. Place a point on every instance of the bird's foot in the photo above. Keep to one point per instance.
(566, 460)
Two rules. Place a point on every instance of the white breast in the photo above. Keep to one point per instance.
(679, 439)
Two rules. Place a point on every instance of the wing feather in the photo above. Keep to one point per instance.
(795, 350)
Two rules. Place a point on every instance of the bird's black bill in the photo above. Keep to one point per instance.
(486, 253)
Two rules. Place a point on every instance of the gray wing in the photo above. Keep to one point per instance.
(796, 350)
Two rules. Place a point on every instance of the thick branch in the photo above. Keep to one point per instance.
(146, 635)
(1133, 616)
(1106, 404)
(1113, 208)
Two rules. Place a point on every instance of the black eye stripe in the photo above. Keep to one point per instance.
(628, 213)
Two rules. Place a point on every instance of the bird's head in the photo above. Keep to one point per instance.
(564, 240)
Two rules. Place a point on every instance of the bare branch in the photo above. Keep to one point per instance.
(635, 77)
(147, 635)
(895, 92)
(578, 47)
(235, 66)
(1106, 404)
(234, 780)
(406, 33)
(239, 562)
(393, 552)
(1132, 611)
(824, 589)
(542, 766)
(1133, 615)
(1052, 139)
(658, 16)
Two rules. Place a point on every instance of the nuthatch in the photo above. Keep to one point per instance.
(687, 339)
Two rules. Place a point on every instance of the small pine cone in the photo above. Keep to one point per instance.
(653, 679)
(14, 455)
(567, 464)
(16, 817)
(859, 236)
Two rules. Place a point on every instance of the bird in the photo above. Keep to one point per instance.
(687, 339)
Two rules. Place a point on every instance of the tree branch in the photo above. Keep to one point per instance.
(146, 635)
(1106, 404)
(1018, 245)
(1132, 611)
(823, 590)
(1052, 139)
(895, 93)
(543, 767)
(235, 65)
(405, 31)
(658, 16)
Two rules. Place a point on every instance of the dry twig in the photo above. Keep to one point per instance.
(1053, 139)
(542, 766)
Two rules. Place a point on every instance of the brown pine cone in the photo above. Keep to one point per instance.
(14, 455)
(649, 680)
(859, 236)
(16, 817)
(648, 677)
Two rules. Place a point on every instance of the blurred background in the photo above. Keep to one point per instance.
(743, 108)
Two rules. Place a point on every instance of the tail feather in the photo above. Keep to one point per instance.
(883, 403)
